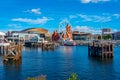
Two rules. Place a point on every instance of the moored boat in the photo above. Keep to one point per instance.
(69, 43)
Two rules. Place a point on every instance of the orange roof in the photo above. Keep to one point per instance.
(39, 30)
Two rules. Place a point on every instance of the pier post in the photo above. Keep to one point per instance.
(3, 49)
(97, 49)
(12, 52)
(0, 50)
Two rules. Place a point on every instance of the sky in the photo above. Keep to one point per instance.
(82, 15)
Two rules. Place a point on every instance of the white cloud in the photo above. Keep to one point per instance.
(85, 17)
(93, 1)
(116, 15)
(72, 16)
(35, 11)
(114, 30)
(42, 20)
(85, 1)
(105, 17)
(83, 29)
(101, 18)
(87, 29)
(95, 18)
(62, 24)
(15, 26)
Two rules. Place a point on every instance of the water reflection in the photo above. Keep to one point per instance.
(101, 60)
(59, 64)
(32, 48)
(66, 49)
(12, 70)
(103, 66)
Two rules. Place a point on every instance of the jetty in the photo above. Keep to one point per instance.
(100, 49)
(11, 51)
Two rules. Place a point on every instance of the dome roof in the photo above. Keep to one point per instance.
(39, 30)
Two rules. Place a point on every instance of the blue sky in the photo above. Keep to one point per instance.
(81, 14)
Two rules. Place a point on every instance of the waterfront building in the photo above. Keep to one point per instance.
(24, 37)
(55, 36)
(106, 31)
(67, 35)
(3, 42)
(116, 35)
(42, 32)
(30, 34)
(2, 37)
(81, 35)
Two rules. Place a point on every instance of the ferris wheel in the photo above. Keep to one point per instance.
(62, 27)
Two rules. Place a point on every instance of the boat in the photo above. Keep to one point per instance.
(69, 43)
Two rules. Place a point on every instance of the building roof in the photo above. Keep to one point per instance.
(107, 32)
(39, 30)
(80, 33)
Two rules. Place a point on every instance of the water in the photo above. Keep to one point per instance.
(60, 63)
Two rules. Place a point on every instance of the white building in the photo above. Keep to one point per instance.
(25, 37)
(2, 37)
(2, 40)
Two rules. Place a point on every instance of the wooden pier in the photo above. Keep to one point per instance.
(11, 52)
(100, 49)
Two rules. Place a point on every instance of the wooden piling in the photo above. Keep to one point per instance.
(0, 49)
(13, 52)
(48, 46)
(99, 49)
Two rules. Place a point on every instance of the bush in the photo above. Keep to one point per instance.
(42, 77)
(30, 79)
(73, 77)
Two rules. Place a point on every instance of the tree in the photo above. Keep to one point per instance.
(73, 77)
(30, 79)
(107, 37)
(99, 36)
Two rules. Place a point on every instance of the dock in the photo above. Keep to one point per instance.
(11, 51)
(101, 49)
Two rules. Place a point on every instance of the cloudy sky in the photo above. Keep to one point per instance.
(81, 14)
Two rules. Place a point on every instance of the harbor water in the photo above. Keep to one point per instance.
(58, 64)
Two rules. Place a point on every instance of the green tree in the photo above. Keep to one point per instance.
(99, 36)
(73, 77)
(107, 37)
(30, 79)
